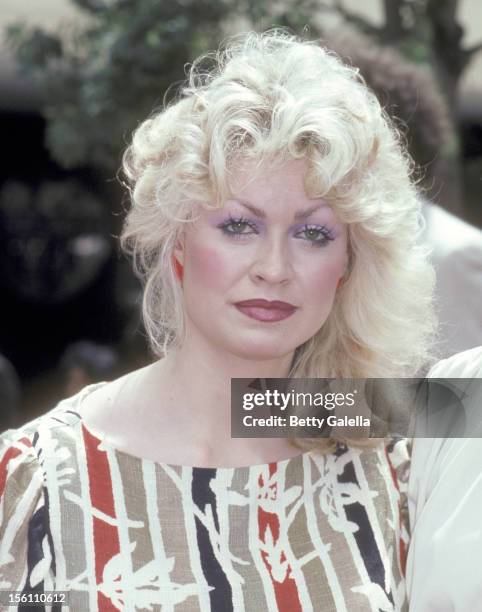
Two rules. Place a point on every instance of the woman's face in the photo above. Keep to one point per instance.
(269, 242)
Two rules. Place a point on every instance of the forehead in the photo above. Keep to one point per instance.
(271, 191)
(270, 181)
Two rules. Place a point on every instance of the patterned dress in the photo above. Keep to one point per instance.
(309, 533)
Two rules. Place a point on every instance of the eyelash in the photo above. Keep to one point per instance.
(326, 235)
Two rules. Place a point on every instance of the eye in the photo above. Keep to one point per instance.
(236, 227)
(317, 235)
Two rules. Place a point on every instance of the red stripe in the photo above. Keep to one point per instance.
(286, 592)
(10, 454)
(402, 545)
(106, 537)
(393, 471)
(403, 557)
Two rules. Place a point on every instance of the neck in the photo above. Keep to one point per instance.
(199, 381)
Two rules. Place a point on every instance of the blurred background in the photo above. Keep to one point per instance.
(77, 76)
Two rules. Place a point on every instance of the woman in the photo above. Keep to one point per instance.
(275, 226)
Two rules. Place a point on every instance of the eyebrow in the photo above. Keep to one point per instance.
(299, 215)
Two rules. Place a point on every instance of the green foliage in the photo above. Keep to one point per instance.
(34, 48)
(101, 79)
(98, 81)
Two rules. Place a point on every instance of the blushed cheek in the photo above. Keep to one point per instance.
(208, 266)
(325, 280)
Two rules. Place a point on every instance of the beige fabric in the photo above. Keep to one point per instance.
(312, 532)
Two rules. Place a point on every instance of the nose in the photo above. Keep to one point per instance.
(272, 262)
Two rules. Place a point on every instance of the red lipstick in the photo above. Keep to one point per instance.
(266, 310)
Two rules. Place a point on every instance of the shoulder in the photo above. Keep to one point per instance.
(54, 436)
(445, 502)
(23, 450)
(450, 233)
(430, 454)
(466, 364)
(32, 443)
(62, 419)
(113, 399)
(27, 456)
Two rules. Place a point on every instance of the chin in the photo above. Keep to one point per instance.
(260, 351)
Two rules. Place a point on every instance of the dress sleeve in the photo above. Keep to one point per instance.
(25, 550)
(445, 508)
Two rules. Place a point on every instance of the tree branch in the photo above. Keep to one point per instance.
(356, 20)
(393, 29)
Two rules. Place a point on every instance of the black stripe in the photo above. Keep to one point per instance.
(36, 533)
(221, 596)
(364, 536)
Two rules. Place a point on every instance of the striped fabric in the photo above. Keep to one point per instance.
(119, 532)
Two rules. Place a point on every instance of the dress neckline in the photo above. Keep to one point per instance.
(277, 465)
(84, 429)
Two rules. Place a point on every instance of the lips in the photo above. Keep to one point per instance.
(275, 305)
(265, 310)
